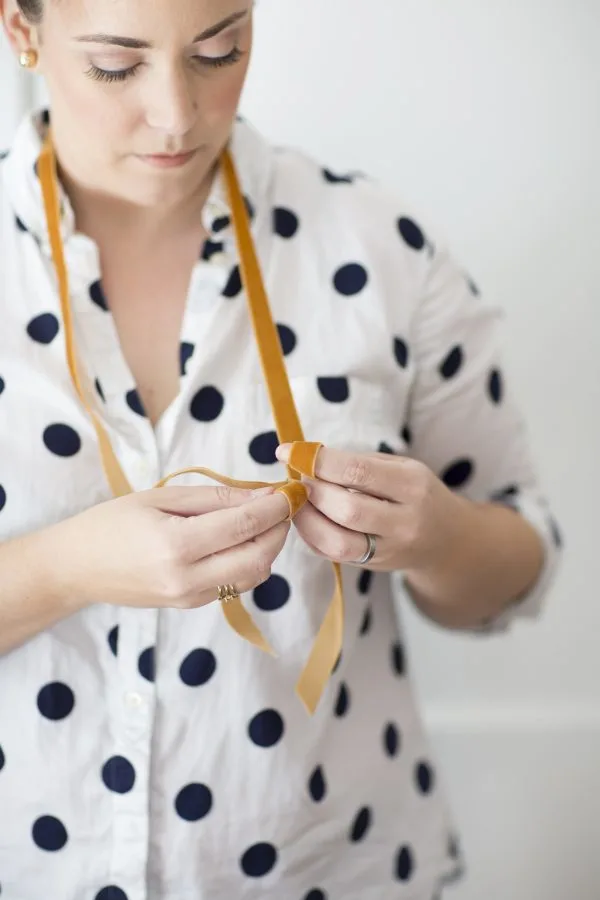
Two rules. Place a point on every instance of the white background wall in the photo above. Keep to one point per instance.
(487, 118)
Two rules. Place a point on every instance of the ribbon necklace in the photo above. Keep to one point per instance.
(328, 643)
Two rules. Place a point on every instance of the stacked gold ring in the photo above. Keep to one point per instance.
(226, 592)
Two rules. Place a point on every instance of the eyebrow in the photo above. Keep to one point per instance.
(135, 44)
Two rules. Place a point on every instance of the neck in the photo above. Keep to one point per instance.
(97, 212)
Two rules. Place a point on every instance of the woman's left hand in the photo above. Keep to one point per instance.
(415, 519)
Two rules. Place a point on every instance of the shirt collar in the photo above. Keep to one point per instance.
(251, 153)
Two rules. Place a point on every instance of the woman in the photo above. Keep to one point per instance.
(147, 751)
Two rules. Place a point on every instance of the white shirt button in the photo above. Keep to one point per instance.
(218, 259)
(133, 700)
(214, 210)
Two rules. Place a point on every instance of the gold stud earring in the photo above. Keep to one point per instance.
(28, 59)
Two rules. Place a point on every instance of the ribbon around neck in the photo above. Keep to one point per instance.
(328, 642)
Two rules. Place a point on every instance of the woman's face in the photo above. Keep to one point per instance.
(129, 79)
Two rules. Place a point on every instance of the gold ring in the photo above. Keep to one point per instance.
(226, 592)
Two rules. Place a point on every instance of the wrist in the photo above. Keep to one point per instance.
(53, 555)
(459, 539)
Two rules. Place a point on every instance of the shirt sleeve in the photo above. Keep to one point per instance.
(464, 421)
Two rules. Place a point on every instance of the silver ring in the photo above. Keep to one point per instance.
(371, 550)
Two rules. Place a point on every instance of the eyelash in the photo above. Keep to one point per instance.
(123, 74)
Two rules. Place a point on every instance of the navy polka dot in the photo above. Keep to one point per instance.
(272, 594)
(194, 802)
(495, 386)
(361, 825)
(99, 390)
(398, 660)
(266, 728)
(186, 351)
(287, 339)
(2, 498)
(211, 248)
(473, 287)
(2, 759)
(316, 894)
(317, 787)
(146, 665)
(401, 352)
(285, 222)
(111, 893)
(365, 580)
(198, 667)
(424, 777)
(97, 295)
(350, 279)
(62, 440)
(113, 639)
(249, 207)
(411, 233)
(366, 622)
(2, 385)
(262, 448)
(391, 740)
(221, 224)
(234, 284)
(49, 833)
(404, 864)
(132, 398)
(258, 860)
(20, 224)
(385, 448)
(332, 178)
(43, 329)
(56, 701)
(457, 474)
(342, 704)
(554, 529)
(118, 775)
(207, 404)
(334, 390)
(407, 435)
(452, 363)
(45, 117)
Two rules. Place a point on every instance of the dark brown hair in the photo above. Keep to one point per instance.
(32, 9)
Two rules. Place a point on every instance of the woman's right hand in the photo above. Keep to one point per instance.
(168, 547)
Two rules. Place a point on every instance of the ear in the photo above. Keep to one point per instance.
(21, 34)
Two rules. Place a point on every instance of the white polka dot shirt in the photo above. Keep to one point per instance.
(153, 754)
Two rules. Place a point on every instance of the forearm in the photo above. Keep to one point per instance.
(494, 559)
(30, 597)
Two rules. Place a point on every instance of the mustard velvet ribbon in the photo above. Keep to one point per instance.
(328, 643)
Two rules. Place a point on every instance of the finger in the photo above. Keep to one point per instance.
(379, 475)
(195, 501)
(353, 510)
(216, 531)
(245, 566)
(333, 541)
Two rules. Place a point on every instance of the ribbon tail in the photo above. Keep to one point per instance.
(325, 652)
(242, 622)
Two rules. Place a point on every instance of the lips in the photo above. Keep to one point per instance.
(167, 160)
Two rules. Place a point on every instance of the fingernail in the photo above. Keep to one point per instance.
(283, 452)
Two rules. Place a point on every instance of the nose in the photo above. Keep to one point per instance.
(171, 104)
